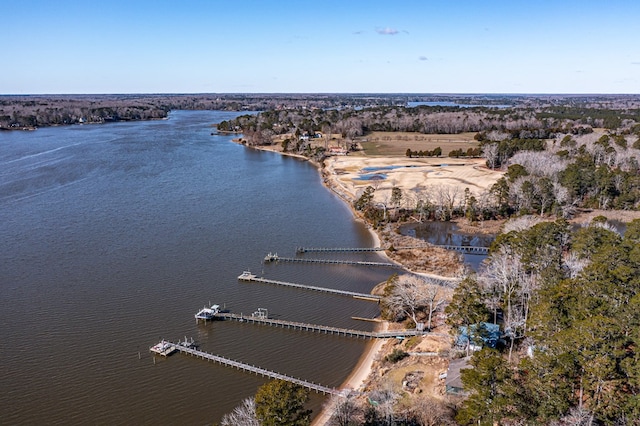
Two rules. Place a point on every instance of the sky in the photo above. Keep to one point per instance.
(346, 46)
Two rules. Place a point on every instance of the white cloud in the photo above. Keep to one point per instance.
(387, 31)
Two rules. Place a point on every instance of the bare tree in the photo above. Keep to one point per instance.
(520, 223)
(412, 296)
(540, 163)
(577, 416)
(244, 414)
(407, 298)
(424, 203)
(436, 298)
(574, 264)
(345, 410)
(382, 403)
(447, 200)
(505, 277)
(326, 132)
(490, 152)
(429, 411)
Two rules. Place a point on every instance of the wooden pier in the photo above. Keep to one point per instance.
(263, 320)
(461, 249)
(249, 277)
(189, 350)
(466, 249)
(275, 258)
(301, 250)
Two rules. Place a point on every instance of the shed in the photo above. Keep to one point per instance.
(453, 383)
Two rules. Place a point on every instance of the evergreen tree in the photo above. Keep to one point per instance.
(281, 403)
(487, 381)
(467, 309)
(587, 331)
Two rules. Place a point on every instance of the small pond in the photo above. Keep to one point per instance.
(447, 233)
(375, 176)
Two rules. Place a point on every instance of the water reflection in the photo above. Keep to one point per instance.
(448, 233)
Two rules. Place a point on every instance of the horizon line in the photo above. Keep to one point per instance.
(330, 93)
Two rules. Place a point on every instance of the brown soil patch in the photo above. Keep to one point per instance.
(423, 371)
(434, 343)
(480, 227)
(425, 259)
(620, 215)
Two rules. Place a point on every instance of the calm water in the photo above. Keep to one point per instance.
(448, 234)
(113, 236)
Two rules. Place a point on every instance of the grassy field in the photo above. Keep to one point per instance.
(391, 144)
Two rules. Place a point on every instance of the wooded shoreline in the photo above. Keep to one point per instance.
(32, 111)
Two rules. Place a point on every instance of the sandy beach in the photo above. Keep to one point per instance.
(358, 377)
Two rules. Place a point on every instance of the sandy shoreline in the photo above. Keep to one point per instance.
(364, 367)
(356, 379)
(340, 174)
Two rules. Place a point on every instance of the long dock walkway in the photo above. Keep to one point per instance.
(249, 368)
(462, 249)
(301, 250)
(318, 328)
(275, 258)
(465, 249)
(249, 277)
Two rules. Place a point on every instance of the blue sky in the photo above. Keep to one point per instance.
(359, 46)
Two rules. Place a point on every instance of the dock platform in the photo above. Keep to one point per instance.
(462, 249)
(247, 276)
(163, 348)
(206, 314)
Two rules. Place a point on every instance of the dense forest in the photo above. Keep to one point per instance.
(569, 304)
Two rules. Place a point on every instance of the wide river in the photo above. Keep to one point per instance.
(114, 236)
